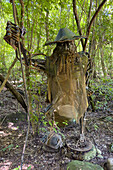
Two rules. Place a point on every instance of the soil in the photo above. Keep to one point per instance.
(13, 129)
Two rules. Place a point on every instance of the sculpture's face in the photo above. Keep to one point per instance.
(67, 46)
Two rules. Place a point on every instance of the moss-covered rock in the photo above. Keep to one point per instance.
(81, 165)
(90, 154)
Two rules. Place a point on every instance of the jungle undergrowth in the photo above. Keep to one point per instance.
(102, 93)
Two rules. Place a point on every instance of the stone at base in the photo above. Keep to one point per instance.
(49, 149)
(85, 155)
(110, 163)
(90, 154)
(81, 165)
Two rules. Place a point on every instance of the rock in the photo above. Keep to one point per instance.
(90, 154)
(63, 162)
(99, 156)
(81, 165)
(99, 151)
(52, 141)
(110, 163)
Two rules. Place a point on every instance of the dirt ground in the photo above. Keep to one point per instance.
(13, 128)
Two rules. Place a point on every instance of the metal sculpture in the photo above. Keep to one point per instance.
(13, 34)
(66, 70)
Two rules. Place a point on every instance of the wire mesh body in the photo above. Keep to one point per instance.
(66, 82)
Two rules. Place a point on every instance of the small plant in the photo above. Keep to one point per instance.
(65, 123)
(99, 105)
(29, 167)
(18, 168)
(95, 126)
(102, 92)
(8, 147)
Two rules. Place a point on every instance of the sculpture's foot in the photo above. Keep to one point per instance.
(81, 142)
(52, 142)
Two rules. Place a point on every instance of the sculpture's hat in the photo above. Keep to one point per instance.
(64, 35)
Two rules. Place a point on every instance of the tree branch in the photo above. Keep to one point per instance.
(91, 22)
(14, 92)
(22, 13)
(33, 55)
(89, 13)
(77, 20)
(5, 80)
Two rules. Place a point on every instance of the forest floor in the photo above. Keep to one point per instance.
(13, 128)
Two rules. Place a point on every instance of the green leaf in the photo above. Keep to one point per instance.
(29, 167)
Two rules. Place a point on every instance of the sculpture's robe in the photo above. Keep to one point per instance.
(66, 82)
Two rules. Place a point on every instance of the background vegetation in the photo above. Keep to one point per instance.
(43, 19)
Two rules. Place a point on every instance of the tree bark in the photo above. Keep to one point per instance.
(89, 13)
(22, 13)
(47, 30)
(102, 61)
(31, 41)
(77, 20)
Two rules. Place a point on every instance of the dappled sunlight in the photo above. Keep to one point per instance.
(2, 133)
(11, 126)
(26, 166)
(20, 134)
(5, 165)
(56, 84)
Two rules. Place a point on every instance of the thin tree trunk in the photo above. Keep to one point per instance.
(4, 68)
(77, 20)
(32, 34)
(47, 30)
(89, 13)
(28, 26)
(110, 65)
(102, 61)
(91, 22)
(8, 74)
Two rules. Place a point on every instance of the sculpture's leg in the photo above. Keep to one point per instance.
(82, 126)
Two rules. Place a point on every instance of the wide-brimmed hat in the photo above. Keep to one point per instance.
(64, 35)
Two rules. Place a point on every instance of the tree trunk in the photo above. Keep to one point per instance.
(102, 62)
(47, 30)
(110, 68)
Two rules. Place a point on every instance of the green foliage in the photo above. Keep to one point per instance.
(65, 122)
(9, 147)
(42, 20)
(18, 168)
(111, 147)
(95, 126)
(60, 14)
(29, 167)
(102, 92)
